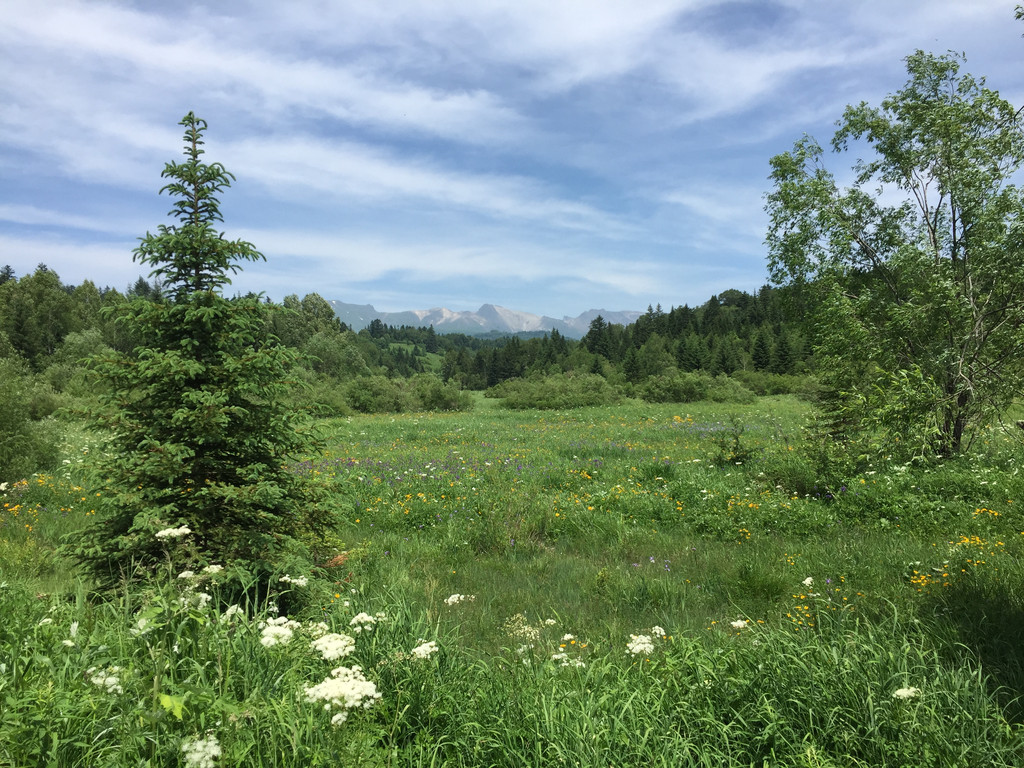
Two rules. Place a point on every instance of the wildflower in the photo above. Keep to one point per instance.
(456, 599)
(107, 678)
(317, 629)
(213, 569)
(424, 650)
(363, 622)
(738, 624)
(518, 627)
(298, 581)
(549, 622)
(173, 533)
(640, 645)
(808, 582)
(334, 646)
(658, 631)
(566, 637)
(230, 613)
(142, 626)
(73, 633)
(905, 693)
(201, 753)
(187, 575)
(345, 689)
(277, 631)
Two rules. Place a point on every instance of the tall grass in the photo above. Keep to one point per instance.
(642, 584)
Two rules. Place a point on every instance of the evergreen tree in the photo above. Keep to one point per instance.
(761, 354)
(200, 434)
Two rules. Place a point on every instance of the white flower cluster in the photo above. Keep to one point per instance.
(334, 646)
(808, 582)
(106, 678)
(517, 626)
(456, 599)
(213, 569)
(640, 645)
(658, 632)
(277, 631)
(73, 633)
(231, 612)
(201, 753)
(345, 689)
(317, 629)
(565, 661)
(298, 581)
(424, 650)
(364, 622)
(906, 693)
(173, 533)
(740, 624)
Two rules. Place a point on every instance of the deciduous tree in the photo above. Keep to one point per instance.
(914, 271)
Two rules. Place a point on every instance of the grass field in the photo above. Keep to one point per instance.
(627, 585)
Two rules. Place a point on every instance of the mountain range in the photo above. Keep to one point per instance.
(487, 319)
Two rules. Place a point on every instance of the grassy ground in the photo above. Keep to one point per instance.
(642, 583)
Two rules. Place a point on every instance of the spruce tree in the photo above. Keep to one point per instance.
(199, 432)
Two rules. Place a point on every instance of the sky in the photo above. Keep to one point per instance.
(548, 156)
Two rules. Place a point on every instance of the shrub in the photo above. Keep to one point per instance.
(722, 389)
(28, 441)
(675, 387)
(571, 390)
(432, 394)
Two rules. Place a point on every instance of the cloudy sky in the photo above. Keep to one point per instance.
(548, 156)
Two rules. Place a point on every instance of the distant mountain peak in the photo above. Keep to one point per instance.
(490, 317)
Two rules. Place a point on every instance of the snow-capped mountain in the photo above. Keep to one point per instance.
(488, 318)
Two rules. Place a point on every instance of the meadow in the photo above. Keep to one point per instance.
(676, 585)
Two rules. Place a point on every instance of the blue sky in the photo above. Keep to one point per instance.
(547, 156)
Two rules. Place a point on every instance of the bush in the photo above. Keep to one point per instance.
(570, 390)
(722, 389)
(28, 441)
(675, 387)
(763, 383)
(377, 394)
(434, 395)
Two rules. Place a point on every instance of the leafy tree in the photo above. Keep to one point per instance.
(36, 313)
(200, 435)
(917, 303)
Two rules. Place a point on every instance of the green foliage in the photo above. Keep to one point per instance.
(424, 392)
(192, 257)
(844, 625)
(556, 392)
(200, 434)
(29, 441)
(915, 306)
(675, 387)
(36, 313)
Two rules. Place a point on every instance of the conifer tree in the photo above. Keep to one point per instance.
(200, 435)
